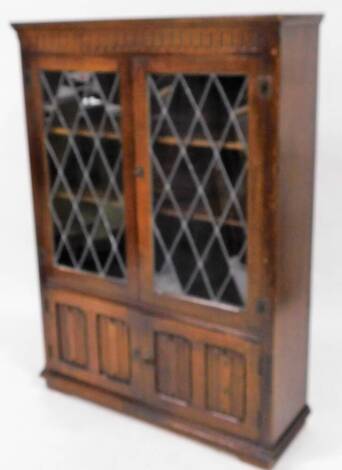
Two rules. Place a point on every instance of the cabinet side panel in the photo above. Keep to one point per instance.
(297, 101)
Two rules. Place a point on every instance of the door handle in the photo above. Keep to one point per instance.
(148, 360)
(136, 354)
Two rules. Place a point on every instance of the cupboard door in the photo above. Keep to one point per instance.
(200, 203)
(93, 341)
(208, 377)
(82, 173)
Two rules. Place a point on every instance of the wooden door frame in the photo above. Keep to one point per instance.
(59, 276)
(258, 179)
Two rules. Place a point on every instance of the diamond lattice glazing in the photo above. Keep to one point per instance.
(83, 144)
(198, 149)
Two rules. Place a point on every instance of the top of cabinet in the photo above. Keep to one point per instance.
(227, 35)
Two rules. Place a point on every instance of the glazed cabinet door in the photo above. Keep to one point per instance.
(79, 116)
(201, 169)
(93, 341)
(208, 377)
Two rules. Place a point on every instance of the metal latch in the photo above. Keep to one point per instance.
(265, 86)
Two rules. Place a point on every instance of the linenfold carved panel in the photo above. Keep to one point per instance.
(114, 348)
(226, 382)
(173, 370)
(72, 335)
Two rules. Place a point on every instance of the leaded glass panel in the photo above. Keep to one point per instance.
(198, 150)
(82, 137)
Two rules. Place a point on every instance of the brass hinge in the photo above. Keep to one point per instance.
(264, 371)
(265, 86)
(259, 420)
(265, 362)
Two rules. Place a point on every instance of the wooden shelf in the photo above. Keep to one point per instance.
(202, 143)
(87, 197)
(241, 110)
(84, 133)
(200, 216)
(163, 92)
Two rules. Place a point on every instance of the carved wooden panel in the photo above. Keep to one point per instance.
(173, 368)
(148, 36)
(72, 335)
(226, 382)
(206, 376)
(114, 348)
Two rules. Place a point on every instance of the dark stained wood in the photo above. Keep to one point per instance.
(295, 162)
(231, 377)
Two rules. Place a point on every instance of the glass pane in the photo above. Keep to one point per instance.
(82, 119)
(198, 149)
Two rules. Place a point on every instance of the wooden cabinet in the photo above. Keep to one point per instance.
(172, 167)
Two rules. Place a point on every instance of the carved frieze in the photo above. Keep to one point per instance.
(153, 39)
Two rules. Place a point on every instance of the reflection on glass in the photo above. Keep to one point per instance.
(82, 116)
(198, 149)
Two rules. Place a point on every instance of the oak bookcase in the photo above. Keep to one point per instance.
(172, 167)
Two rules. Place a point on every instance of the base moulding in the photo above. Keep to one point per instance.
(246, 450)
